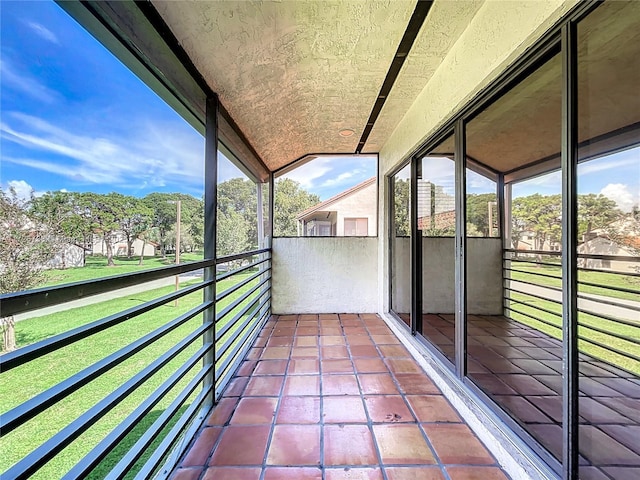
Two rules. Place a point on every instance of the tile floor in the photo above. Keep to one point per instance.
(520, 368)
(334, 397)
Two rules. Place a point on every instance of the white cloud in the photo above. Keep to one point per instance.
(43, 32)
(603, 164)
(23, 189)
(309, 173)
(149, 155)
(622, 195)
(24, 83)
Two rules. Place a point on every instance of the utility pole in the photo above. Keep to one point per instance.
(178, 221)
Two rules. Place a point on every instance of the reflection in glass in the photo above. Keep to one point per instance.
(400, 264)
(609, 240)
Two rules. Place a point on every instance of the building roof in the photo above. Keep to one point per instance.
(322, 205)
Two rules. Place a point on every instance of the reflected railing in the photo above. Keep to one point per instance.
(608, 301)
(168, 359)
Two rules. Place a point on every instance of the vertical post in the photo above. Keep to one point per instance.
(461, 250)
(210, 208)
(505, 198)
(261, 243)
(178, 222)
(570, 406)
(416, 250)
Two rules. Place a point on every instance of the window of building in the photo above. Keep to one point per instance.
(356, 227)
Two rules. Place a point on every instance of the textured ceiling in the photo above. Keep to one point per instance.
(292, 74)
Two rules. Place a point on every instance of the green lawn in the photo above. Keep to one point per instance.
(22, 383)
(96, 267)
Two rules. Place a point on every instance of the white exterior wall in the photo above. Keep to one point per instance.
(324, 275)
(361, 204)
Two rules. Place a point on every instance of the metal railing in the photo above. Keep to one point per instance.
(608, 301)
(177, 366)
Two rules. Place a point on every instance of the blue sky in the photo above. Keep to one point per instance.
(74, 118)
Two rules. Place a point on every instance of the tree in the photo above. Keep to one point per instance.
(106, 213)
(241, 196)
(164, 216)
(136, 220)
(478, 213)
(290, 200)
(541, 215)
(401, 207)
(26, 247)
(231, 234)
(595, 211)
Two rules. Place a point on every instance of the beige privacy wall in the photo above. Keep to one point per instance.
(324, 275)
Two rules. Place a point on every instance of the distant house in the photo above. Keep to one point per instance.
(351, 213)
(68, 255)
(605, 246)
(119, 245)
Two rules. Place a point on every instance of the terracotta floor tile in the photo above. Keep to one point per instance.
(476, 473)
(414, 473)
(350, 473)
(281, 331)
(192, 473)
(592, 473)
(526, 385)
(549, 405)
(303, 366)
(222, 411)
(363, 351)
(595, 412)
(271, 367)
(305, 341)
(370, 365)
(355, 331)
(236, 387)
(492, 384)
(362, 339)
(246, 369)
(305, 352)
(263, 386)
(522, 409)
(332, 340)
(298, 385)
(343, 409)
(403, 365)
(254, 353)
(232, 473)
(456, 444)
(253, 440)
(402, 444)
(549, 435)
(308, 317)
(331, 329)
(292, 473)
(628, 435)
(348, 445)
(200, 451)
(340, 385)
(394, 351)
(623, 473)
(335, 352)
(385, 339)
(299, 410)
(416, 384)
(273, 353)
(295, 445)
(307, 331)
(255, 410)
(377, 384)
(388, 409)
(337, 366)
(279, 342)
(432, 408)
(380, 330)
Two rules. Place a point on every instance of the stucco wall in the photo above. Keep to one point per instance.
(361, 204)
(484, 276)
(325, 275)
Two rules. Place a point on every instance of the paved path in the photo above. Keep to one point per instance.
(163, 282)
(591, 303)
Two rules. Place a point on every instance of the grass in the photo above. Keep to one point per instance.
(96, 267)
(22, 383)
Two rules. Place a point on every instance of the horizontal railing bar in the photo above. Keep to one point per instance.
(230, 324)
(557, 289)
(611, 287)
(45, 452)
(36, 405)
(226, 310)
(609, 348)
(609, 333)
(534, 262)
(537, 274)
(172, 437)
(131, 457)
(551, 312)
(235, 271)
(612, 272)
(608, 318)
(31, 352)
(220, 351)
(553, 253)
(25, 301)
(557, 302)
(237, 286)
(546, 322)
(93, 458)
(239, 256)
(224, 373)
(608, 301)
